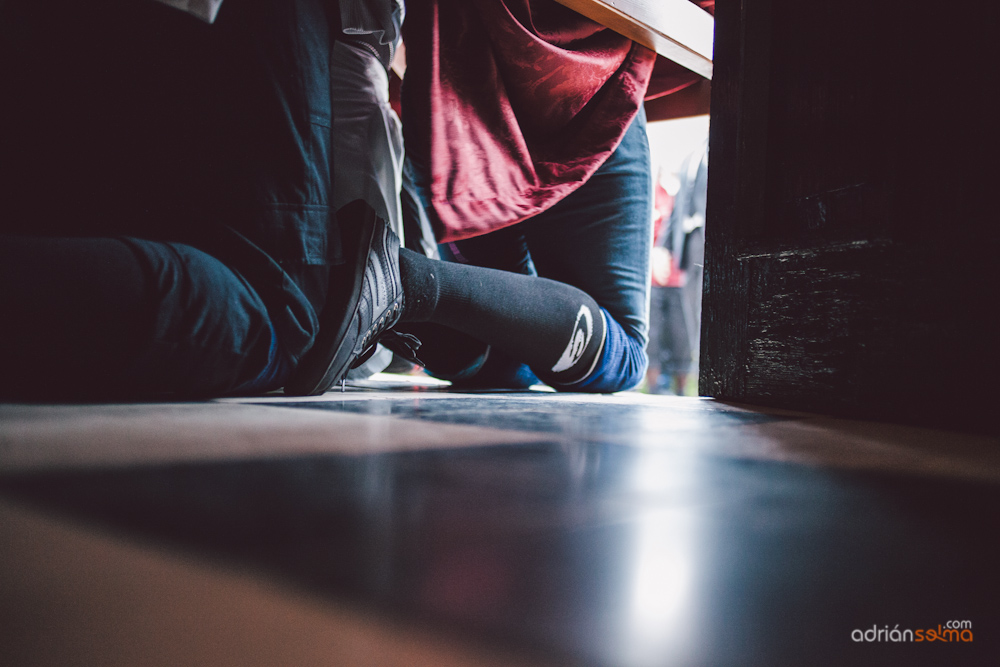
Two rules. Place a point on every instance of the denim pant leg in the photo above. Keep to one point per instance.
(598, 239)
(132, 119)
(125, 318)
(210, 332)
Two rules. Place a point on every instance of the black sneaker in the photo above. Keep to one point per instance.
(365, 299)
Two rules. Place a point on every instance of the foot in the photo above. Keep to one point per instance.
(366, 299)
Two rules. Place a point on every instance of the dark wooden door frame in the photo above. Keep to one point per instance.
(851, 236)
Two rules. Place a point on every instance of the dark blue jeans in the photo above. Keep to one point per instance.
(175, 178)
(598, 240)
(121, 318)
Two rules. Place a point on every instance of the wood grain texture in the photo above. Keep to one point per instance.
(676, 29)
(694, 100)
(849, 237)
(73, 595)
(737, 175)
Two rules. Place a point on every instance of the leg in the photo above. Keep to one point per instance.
(676, 335)
(597, 240)
(125, 318)
(657, 347)
(113, 130)
(555, 328)
(459, 357)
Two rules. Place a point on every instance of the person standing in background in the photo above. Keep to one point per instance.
(677, 261)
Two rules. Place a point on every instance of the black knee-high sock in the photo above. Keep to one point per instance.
(556, 329)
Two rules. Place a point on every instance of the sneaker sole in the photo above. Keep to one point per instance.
(330, 357)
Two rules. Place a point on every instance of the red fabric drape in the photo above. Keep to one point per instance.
(519, 102)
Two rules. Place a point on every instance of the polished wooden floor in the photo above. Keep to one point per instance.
(400, 524)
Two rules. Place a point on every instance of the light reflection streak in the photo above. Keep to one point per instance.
(662, 609)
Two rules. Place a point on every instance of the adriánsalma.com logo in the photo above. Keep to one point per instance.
(952, 631)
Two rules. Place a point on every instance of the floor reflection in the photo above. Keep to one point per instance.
(550, 413)
(591, 553)
(661, 616)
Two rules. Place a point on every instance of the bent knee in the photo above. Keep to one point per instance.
(622, 364)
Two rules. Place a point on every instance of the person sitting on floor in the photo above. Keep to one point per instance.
(527, 152)
(173, 223)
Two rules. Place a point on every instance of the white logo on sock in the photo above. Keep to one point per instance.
(583, 331)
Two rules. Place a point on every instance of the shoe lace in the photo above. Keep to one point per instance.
(403, 344)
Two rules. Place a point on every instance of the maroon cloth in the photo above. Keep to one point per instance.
(513, 104)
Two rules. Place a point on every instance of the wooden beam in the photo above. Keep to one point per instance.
(676, 29)
(691, 101)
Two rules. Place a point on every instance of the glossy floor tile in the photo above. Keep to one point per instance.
(504, 529)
